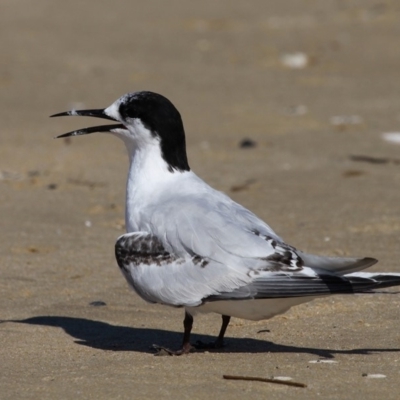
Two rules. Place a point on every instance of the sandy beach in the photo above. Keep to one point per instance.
(314, 85)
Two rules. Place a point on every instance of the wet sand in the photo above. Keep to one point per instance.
(233, 70)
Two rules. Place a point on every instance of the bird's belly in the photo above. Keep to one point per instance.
(163, 283)
(254, 310)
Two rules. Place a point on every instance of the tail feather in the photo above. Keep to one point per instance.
(337, 265)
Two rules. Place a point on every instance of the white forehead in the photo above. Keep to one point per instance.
(112, 111)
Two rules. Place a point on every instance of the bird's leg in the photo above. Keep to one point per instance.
(186, 346)
(187, 326)
(219, 342)
(220, 339)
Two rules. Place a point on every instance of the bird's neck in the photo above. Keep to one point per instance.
(147, 176)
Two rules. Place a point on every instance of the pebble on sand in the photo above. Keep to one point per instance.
(393, 137)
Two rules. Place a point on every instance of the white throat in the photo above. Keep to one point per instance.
(148, 176)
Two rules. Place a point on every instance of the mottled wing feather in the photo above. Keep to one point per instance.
(141, 248)
(285, 257)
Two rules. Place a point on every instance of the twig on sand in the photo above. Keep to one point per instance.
(255, 378)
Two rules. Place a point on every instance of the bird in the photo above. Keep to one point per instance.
(190, 246)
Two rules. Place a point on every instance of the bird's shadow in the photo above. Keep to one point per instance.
(104, 336)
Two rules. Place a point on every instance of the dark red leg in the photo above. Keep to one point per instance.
(187, 326)
(220, 339)
(186, 346)
(219, 342)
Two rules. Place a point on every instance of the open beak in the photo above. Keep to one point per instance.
(86, 131)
